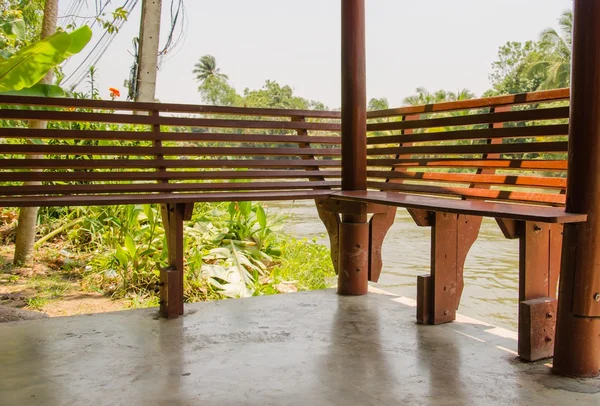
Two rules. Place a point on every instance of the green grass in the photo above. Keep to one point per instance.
(37, 302)
(305, 263)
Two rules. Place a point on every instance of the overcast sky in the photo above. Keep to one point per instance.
(447, 44)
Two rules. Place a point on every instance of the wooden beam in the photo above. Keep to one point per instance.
(577, 347)
(354, 230)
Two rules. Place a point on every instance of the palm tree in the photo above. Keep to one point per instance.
(558, 48)
(424, 97)
(206, 68)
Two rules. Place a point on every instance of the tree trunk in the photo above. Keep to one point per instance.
(28, 215)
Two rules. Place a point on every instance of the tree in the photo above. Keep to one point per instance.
(424, 97)
(378, 104)
(512, 74)
(558, 50)
(206, 68)
(28, 215)
(217, 91)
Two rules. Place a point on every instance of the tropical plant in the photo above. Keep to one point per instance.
(206, 68)
(558, 50)
(23, 71)
(423, 96)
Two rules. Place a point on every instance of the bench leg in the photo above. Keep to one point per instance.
(540, 250)
(171, 278)
(438, 294)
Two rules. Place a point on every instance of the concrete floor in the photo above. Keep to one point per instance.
(298, 349)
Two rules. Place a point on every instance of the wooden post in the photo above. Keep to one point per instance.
(171, 278)
(577, 344)
(438, 294)
(539, 262)
(354, 230)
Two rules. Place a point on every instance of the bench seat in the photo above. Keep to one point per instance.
(544, 214)
(160, 198)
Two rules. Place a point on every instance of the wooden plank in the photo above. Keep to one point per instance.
(101, 188)
(522, 147)
(554, 113)
(153, 175)
(54, 149)
(475, 134)
(473, 163)
(486, 102)
(168, 163)
(111, 200)
(483, 179)
(8, 114)
(163, 107)
(469, 207)
(163, 136)
(487, 194)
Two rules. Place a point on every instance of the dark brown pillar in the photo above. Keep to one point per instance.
(577, 349)
(354, 230)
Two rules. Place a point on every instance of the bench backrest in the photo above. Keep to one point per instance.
(107, 147)
(508, 148)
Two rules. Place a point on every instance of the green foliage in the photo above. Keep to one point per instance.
(206, 68)
(20, 24)
(423, 96)
(512, 73)
(29, 65)
(535, 65)
(215, 89)
(379, 104)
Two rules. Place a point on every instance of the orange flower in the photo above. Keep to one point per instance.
(114, 92)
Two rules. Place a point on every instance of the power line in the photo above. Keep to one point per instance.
(99, 49)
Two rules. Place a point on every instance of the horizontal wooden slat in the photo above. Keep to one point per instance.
(162, 187)
(162, 136)
(486, 102)
(54, 149)
(467, 207)
(522, 147)
(160, 198)
(507, 164)
(492, 133)
(164, 107)
(167, 175)
(474, 193)
(489, 118)
(477, 179)
(167, 163)
(8, 114)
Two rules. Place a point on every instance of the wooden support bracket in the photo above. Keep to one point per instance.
(379, 225)
(330, 212)
(438, 295)
(171, 278)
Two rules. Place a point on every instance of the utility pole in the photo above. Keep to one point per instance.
(28, 215)
(148, 51)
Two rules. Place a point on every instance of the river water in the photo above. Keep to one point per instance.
(491, 270)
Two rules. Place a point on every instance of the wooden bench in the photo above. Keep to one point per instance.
(114, 153)
(450, 164)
